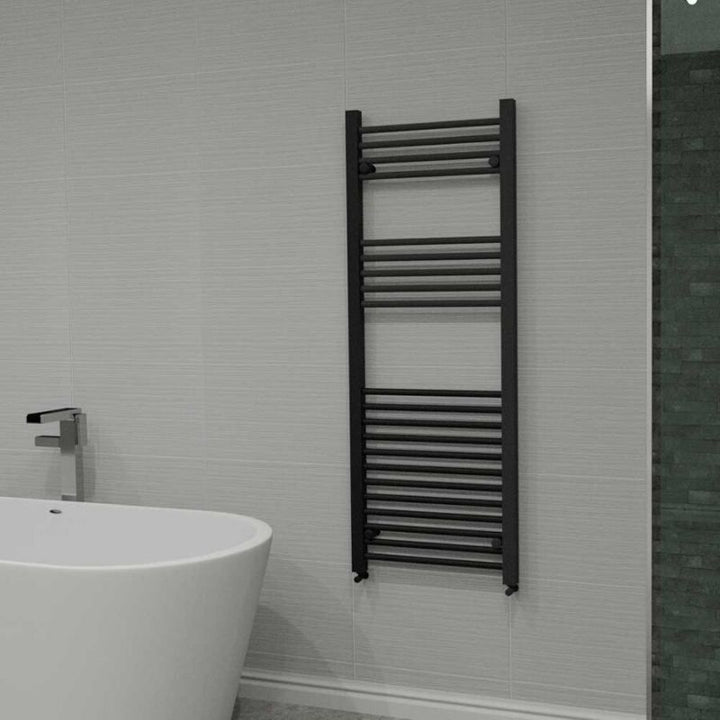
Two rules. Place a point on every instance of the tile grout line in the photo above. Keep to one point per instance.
(507, 46)
(200, 257)
(345, 53)
(328, 164)
(66, 191)
(350, 579)
(511, 602)
(580, 38)
(176, 75)
(510, 599)
(354, 627)
(474, 48)
(163, 76)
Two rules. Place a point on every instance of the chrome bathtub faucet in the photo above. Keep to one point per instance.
(72, 438)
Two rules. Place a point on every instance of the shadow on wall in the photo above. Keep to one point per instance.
(291, 635)
(304, 621)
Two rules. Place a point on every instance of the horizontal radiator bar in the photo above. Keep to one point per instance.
(440, 125)
(460, 424)
(434, 256)
(420, 392)
(436, 515)
(410, 407)
(431, 287)
(439, 172)
(428, 141)
(480, 564)
(432, 485)
(433, 157)
(429, 271)
(430, 545)
(434, 469)
(460, 240)
(430, 303)
(445, 530)
(430, 439)
(432, 500)
(434, 454)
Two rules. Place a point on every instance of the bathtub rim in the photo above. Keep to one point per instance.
(263, 535)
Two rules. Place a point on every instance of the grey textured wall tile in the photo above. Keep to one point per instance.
(275, 116)
(120, 38)
(308, 506)
(400, 678)
(418, 87)
(122, 317)
(269, 32)
(266, 662)
(290, 413)
(30, 43)
(274, 218)
(34, 325)
(584, 529)
(28, 385)
(591, 636)
(142, 409)
(30, 474)
(143, 227)
(582, 259)
(132, 126)
(458, 351)
(469, 637)
(455, 377)
(432, 207)
(372, 26)
(530, 21)
(135, 269)
(155, 481)
(579, 94)
(33, 227)
(32, 140)
(275, 315)
(306, 611)
(273, 277)
(576, 697)
(569, 421)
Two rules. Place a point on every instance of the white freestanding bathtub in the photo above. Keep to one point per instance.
(110, 612)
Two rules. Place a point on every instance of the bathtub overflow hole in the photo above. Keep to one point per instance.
(55, 511)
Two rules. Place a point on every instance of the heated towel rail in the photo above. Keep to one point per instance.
(434, 472)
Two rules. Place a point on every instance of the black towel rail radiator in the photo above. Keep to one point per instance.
(434, 473)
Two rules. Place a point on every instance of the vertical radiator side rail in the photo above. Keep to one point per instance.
(356, 341)
(508, 283)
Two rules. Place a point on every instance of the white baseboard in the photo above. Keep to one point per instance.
(410, 704)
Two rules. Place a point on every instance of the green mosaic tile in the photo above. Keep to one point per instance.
(686, 352)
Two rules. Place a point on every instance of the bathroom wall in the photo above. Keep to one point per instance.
(173, 227)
